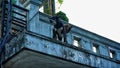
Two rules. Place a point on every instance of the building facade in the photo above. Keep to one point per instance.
(34, 47)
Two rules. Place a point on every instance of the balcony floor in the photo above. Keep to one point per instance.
(31, 59)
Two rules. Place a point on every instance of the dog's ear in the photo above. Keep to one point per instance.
(70, 26)
(69, 29)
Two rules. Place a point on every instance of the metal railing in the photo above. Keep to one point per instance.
(13, 21)
(5, 27)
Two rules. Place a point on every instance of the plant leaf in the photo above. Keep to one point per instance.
(60, 1)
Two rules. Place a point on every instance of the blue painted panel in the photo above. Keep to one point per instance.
(55, 49)
(86, 43)
(103, 50)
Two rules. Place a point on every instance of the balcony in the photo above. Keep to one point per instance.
(35, 48)
(38, 45)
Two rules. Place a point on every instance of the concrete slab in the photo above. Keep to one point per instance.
(30, 59)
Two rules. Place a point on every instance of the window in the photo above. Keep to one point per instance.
(95, 48)
(41, 9)
(112, 54)
(76, 42)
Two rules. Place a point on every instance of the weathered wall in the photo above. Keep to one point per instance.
(64, 51)
(46, 45)
(40, 24)
(15, 44)
(44, 27)
(39, 38)
(41, 27)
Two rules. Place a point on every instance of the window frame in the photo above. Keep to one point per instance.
(78, 39)
(112, 54)
(96, 47)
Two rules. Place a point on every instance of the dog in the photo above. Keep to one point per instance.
(60, 34)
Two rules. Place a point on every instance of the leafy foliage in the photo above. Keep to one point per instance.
(60, 1)
(62, 15)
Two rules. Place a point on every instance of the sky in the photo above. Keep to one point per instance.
(98, 16)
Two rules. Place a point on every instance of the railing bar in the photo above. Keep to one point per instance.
(19, 19)
(19, 13)
(17, 27)
(19, 24)
(14, 5)
(19, 7)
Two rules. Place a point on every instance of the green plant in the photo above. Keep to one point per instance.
(60, 1)
(62, 15)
